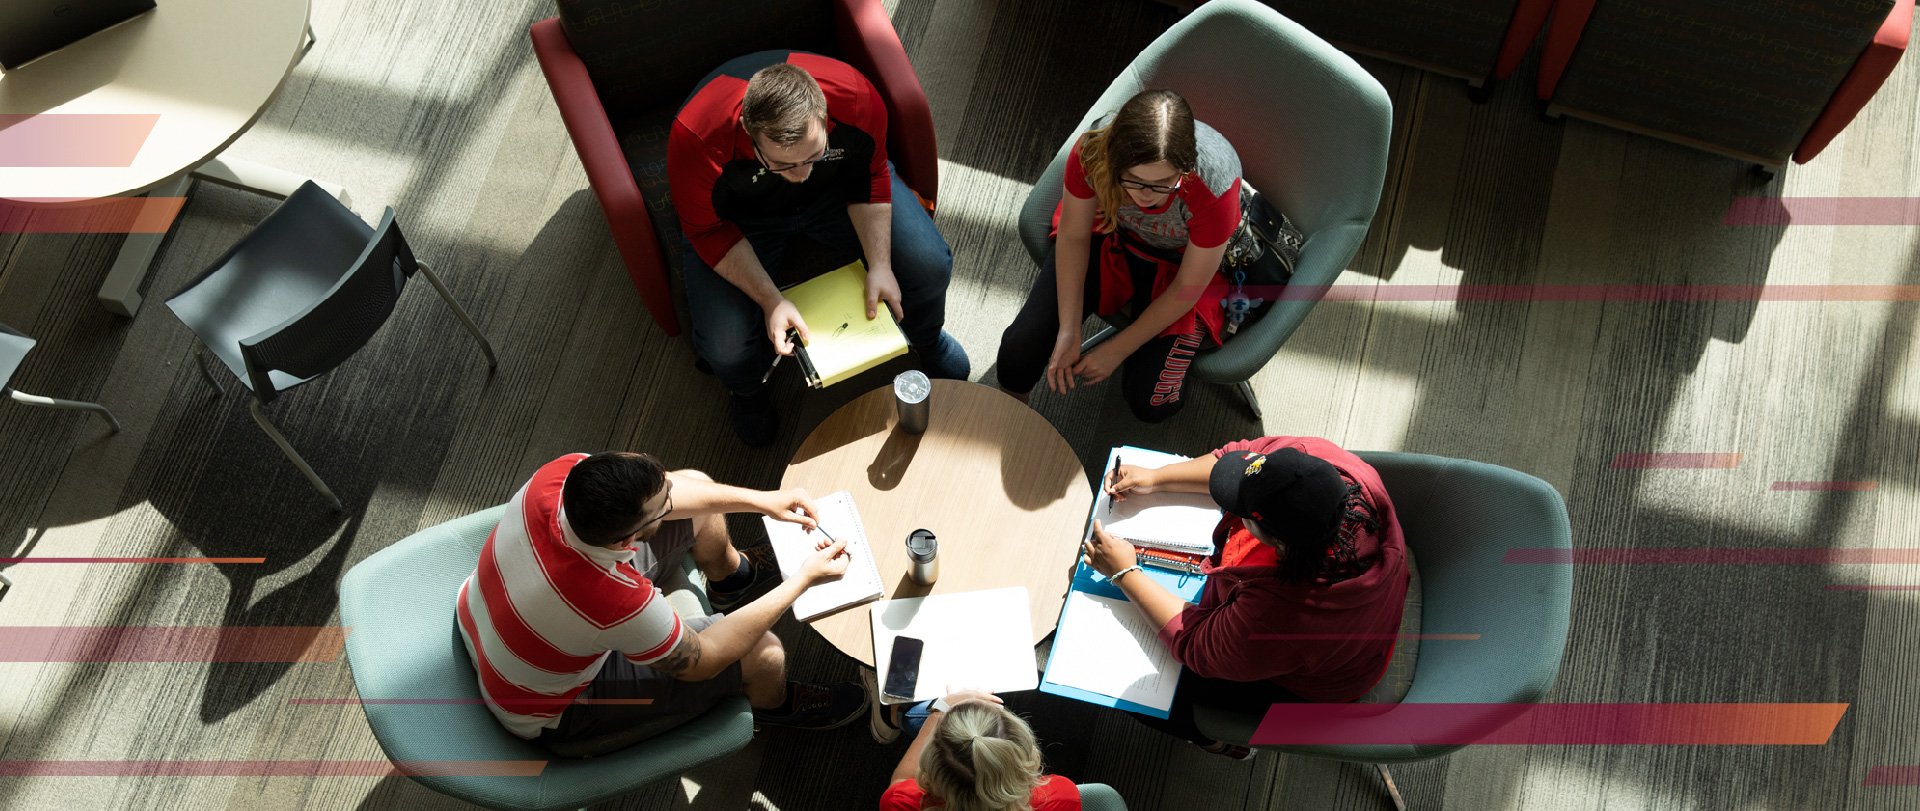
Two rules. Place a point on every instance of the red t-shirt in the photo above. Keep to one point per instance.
(1055, 793)
(1195, 213)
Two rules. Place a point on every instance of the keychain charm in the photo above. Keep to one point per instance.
(1237, 304)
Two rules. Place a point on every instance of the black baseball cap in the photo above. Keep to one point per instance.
(1290, 494)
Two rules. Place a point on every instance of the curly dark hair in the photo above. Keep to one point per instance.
(1335, 556)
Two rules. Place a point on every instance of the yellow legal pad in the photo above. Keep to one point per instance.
(843, 342)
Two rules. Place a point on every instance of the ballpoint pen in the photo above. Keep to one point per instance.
(776, 364)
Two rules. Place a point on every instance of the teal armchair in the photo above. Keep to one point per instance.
(1312, 129)
(1460, 519)
(399, 604)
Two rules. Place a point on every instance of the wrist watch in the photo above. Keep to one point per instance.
(940, 705)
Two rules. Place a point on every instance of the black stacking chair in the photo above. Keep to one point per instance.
(298, 296)
(14, 346)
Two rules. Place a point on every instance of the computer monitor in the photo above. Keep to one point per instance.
(30, 29)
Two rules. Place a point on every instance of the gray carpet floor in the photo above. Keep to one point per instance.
(437, 109)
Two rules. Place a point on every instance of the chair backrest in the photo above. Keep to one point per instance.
(1310, 125)
(1458, 37)
(14, 346)
(1100, 797)
(1745, 78)
(644, 55)
(332, 329)
(1462, 518)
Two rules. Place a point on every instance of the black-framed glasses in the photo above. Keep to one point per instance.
(826, 154)
(1138, 186)
(663, 513)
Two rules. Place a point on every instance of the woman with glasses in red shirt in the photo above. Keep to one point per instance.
(1153, 204)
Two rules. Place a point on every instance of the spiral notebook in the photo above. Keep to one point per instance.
(1180, 522)
(792, 544)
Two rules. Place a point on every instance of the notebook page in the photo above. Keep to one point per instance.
(1179, 521)
(1107, 646)
(792, 544)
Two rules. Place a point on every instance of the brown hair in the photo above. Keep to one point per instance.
(1155, 125)
(780, 100)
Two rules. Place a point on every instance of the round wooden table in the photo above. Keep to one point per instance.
(990, 478)
(207, 68)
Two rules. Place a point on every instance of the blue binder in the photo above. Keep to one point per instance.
(1085, 579)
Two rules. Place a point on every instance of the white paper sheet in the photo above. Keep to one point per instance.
(980, 639)
(792, 544)
(1107, 646)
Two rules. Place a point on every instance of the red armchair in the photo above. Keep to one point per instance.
(867, 41)
(1702, 125)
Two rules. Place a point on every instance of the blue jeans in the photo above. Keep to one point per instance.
(730, 330)
(913, 717)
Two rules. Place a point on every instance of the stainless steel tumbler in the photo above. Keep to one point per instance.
(911, 394)
(923, 550)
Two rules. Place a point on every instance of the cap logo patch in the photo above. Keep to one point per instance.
(1254, 465)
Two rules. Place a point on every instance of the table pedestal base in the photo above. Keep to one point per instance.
(120, 293)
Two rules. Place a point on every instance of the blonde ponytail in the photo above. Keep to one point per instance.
(981, 758)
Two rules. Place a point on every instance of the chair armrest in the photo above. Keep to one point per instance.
(1864, 80)
(606, 166)
(1522, 28)
(1563, 34)
(872, 46)
(1322, 258)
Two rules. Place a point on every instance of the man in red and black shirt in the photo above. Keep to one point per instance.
(777, 145)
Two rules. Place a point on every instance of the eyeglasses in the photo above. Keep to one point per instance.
(826, 154)
(1138, 186)
(663, 513)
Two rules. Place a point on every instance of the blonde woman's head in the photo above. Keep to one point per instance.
(981, 758)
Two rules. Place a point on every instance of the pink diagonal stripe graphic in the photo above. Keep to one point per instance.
(1825, 485)
(108, 215)
(73, 139)
(1823, 211)
(1892, 776)
(1677, 461)
(1873, 588)
(132, 560)
(56, 643)
(1343, 637)
(504, 702)
(1771, 556)
(1315, 724)
(271, 768)
(1573, 292)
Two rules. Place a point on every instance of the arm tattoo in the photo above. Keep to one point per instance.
(684, 658)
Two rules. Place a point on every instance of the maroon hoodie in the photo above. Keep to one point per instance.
(1214, 638)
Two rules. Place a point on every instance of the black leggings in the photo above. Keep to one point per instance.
(1152, 379)
(1240, 695)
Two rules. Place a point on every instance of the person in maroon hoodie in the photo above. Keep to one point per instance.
(1309, 545)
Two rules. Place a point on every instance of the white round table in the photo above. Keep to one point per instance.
(206, 67)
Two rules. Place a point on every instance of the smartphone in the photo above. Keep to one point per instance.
(903, 668)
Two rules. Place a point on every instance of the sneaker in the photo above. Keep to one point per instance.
(947, 360)
(1229, 750)
(766, 574)
(880, 718)
(818, 706)
(754, 420)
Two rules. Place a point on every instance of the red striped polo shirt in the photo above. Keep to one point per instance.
(543, 610)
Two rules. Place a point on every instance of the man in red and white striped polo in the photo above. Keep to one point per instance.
(562, 613)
